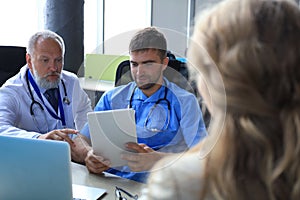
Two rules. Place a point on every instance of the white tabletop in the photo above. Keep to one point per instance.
(81, 176)
(96, 85)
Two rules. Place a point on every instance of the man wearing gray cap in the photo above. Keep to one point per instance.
(168, 118)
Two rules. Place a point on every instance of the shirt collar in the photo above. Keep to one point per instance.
(139, 95)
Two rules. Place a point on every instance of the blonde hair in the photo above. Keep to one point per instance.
(255, 46)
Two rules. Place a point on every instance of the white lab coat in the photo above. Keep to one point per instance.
(15, 102)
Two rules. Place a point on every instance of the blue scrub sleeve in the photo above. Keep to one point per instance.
(85, 131)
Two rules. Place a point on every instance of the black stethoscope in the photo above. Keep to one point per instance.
(30, 80)
(153, 107)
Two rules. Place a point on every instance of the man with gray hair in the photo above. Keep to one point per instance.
(43, 101)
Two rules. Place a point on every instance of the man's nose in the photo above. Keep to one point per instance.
(140, 69)
(53, 65)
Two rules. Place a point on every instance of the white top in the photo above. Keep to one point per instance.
(15, 102)
(175, 177)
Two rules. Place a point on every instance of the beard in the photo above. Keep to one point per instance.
(43, 82)
(146, 86)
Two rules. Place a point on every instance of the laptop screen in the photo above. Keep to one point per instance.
(34, 169)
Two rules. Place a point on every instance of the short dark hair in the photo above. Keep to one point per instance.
(149, 38)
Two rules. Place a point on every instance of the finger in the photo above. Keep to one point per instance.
(95, 168)
(58, 137)
(91, 157)
(69, 131)
(90, 153)
(148, 149)
(70, 141)
(136, 167)
(135, 147)
(130, 157)
(142, 145)
(64, 137)
(54, 136)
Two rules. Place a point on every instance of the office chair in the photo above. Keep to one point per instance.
(123, 75)
(176, 72)
(12, 58)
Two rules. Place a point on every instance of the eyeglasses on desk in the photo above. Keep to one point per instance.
(120, 194)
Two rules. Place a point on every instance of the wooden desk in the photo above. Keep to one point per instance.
(81, 176)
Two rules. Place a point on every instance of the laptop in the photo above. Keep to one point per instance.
(109, 131)
(38, 169)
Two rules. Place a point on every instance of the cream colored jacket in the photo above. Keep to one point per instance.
(175, 177)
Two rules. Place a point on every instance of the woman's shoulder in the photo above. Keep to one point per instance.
(180, 162)
(176, 177)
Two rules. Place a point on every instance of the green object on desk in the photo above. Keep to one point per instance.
(102, 66)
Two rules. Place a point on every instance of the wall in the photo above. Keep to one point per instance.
(171, 16)
(176, 20)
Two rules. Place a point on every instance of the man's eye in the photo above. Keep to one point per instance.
(149, 64)
(59, 60)
(134, 64)
(45, 60)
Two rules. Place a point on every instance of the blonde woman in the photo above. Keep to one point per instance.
(248, 56)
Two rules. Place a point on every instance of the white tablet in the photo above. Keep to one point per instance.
(109, 131)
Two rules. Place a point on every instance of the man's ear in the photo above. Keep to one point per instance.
(165, 63)
(29, 61)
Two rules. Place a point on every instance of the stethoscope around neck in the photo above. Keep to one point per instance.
(151, 110)
(30, 80)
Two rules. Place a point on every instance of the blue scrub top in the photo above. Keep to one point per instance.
(184, 129)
